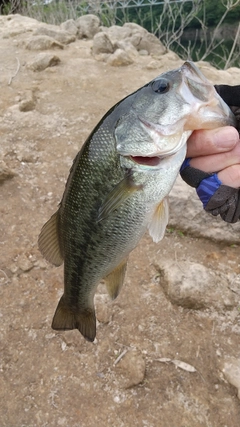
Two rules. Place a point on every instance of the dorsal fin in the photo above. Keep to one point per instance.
(48, 241)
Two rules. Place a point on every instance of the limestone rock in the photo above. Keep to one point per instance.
(132, 368)
(135, 40)
(192, 285)
(103, 57)
(5, 172)
(231, 370)
(119, 58)
(117, 33)
(170, 56)
(132, 39)
(88, 26)
(43, 60)
(128, 48)
(43, 43)
(27, 105)
(28, 102)
(169, 60)
(153, 65)
(195, 220)
(14, 25)
(24, 263)
(69, 26)
(62, 37)
(134, 28)
(152, 45)
(102, 44)
(143, 52)
(143, 40)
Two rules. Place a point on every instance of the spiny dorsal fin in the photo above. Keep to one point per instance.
(84, 320)
(159, 221)
(114, 280)
(48, 241)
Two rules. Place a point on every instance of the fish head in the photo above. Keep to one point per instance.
(164, 113)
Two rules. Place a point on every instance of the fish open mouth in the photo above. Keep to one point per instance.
(146, 161)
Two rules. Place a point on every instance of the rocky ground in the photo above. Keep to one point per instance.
(167, 349)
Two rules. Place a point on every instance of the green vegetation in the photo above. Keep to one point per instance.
(208, 11)
(214, 10)
(195, 29)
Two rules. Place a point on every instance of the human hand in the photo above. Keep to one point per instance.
(216, 150)
(213, 163)
(211, 151)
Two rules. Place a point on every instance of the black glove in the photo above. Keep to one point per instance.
(231, 95)
(218, 199)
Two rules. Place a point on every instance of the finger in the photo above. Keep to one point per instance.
(230, 176)
(217, 162)
(205, 142)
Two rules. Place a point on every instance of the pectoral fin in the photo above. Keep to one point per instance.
(114, 280)
(66, 318)
(48, 241)
(159, 221)
(121, 192)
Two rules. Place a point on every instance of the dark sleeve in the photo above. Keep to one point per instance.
(230, 94)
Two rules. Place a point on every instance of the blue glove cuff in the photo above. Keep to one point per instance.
(207, 188)
(185, 164)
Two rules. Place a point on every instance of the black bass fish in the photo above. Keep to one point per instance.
(118, 184)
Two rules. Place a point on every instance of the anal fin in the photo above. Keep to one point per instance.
(66, 318)
(114, 280)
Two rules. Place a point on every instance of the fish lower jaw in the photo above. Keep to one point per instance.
(146, 161)
(153, 161)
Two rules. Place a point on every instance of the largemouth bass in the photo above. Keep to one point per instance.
(118, 184)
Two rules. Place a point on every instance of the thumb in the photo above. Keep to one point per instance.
(213, 141)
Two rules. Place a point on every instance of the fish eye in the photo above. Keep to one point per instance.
(160, 86)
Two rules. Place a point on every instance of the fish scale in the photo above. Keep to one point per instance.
(118, 184)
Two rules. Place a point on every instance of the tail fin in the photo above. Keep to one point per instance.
(65, 319)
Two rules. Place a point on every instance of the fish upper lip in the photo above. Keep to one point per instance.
(191, 71)
(159, 152)
(164, 130)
